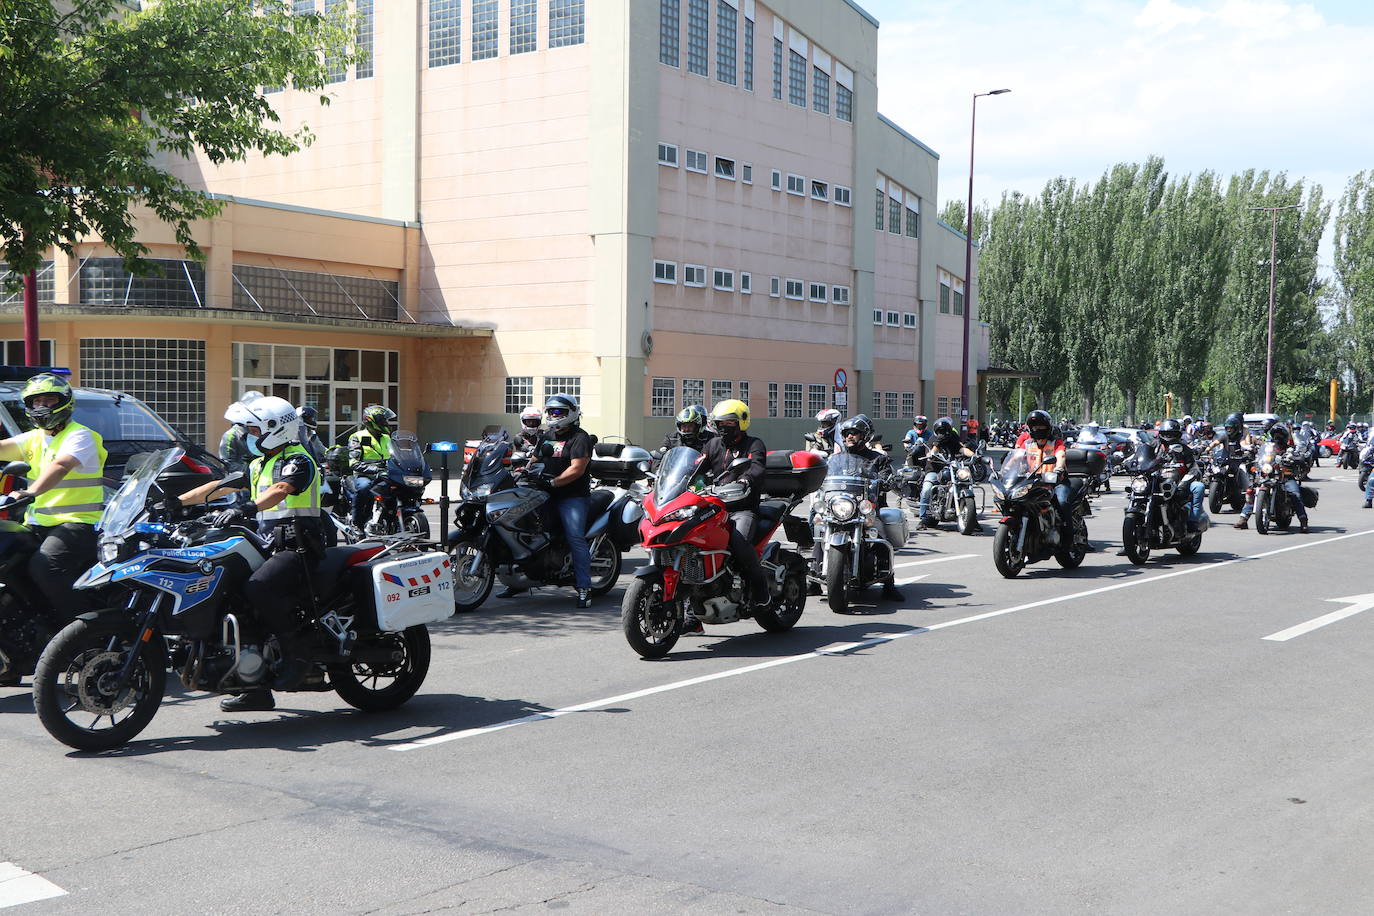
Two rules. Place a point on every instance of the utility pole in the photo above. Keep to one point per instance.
(1273, 265)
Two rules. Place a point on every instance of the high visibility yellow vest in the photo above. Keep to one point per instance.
(305, 503)
(373, 449)
(77, 497)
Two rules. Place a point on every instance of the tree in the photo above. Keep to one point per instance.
(1354, 268)
(93, 95)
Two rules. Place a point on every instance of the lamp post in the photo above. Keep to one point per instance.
(1273, 263)
(968, 253)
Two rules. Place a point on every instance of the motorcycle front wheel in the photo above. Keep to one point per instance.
(1262, 513)
(75, 686)
(1364, 478)
(1216, 497)
(837, 581)
(787, 607)
(418, 523)
(1008, 560)
(605, 565)
(650, 624)
(968, 516)
(1135, 539)
(376, 685)
(470, 587)
(1071, 556)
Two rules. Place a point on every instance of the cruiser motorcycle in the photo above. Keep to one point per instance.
(1157, 505)
(858, 539)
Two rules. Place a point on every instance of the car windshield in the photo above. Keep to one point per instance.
(679, 469)
(127, 504)
(405, 451)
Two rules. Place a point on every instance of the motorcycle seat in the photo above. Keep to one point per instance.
(769, 512)
(328, 574)
(599, 502)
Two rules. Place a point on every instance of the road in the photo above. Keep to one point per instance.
(1117, 739)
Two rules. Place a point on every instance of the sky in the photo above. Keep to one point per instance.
(1224, 85)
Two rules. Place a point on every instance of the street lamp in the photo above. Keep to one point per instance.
(968, 253)
(1273, 263)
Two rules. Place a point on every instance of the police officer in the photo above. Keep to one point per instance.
(371, 443)
(66, 463)
(284, 496)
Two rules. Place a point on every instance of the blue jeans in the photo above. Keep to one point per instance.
(1369, 489)
(1063, 497)
(572, 512)
(932, 478)
(362, 501)
(1197, 490)
(1291, 487)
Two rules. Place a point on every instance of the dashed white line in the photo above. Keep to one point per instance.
(960, 556)
(19, 886)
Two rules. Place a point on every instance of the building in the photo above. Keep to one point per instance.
(648, 203)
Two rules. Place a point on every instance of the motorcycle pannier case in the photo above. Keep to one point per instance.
(789, 474)
(396, 594)
(894, 527)
(1309, 497)
(617, 464)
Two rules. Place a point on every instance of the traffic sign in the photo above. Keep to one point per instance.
(841, 380)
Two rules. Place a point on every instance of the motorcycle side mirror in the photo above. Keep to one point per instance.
(810, 437)
(16, 469)
(236, 479)
(739, 462)
(1052, 478)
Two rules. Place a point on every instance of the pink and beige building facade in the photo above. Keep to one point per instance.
(649, 203)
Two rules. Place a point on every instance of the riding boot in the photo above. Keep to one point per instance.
(293, 666)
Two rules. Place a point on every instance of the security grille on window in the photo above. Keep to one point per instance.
(519, 392)
(954, 406)
(792, 399)
(908, 319)
(662, 400)
(820, 90)
(524, 26)
(890, 405)
(772, 399)
(958, 302)
(749, 55)
(746, 283)
(880, 220)
(298, 292)
(725, 168)
(723, 279)
(842, 196)
(894, 319)
(815, 398)
(698, 34)
(794, 289)
(669, 26)
(485, 29)
(908, 404)
(45, 285)
(167, 375)
(721, 391)
(696, 161)
(567, 23)
(944, 298)
(693, 391)
(693, 275)
(796, 184)
(727, 32)
(104, 281)
(844, 103)
(817, 292)
(563, 384)
(445, 32)
(839, 295)
(335, 69)
(367, 27)
(913, 224)
(667, 154)
(775, 286)
(942, 406)
(744, 392)
(877, 403)
(894, 216)
(665, 271)
(777, 69)
(796, 79)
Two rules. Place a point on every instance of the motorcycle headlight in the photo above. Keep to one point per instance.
(1267, 467)
(414, 480)
(964, 474)
(679, 515)
(841, 507)
(109, 549)
(866, 507)
(1140, 485)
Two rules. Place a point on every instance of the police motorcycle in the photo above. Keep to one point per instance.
(501, 533)
(859, 539)
(1029, 530)
(101, 679)
(398, 489)
(25, 622)
(1157, 505)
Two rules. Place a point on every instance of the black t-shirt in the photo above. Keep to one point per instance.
(558, 457)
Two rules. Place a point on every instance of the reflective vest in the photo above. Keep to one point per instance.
(305, 503)
(371, 449)
(77, 497)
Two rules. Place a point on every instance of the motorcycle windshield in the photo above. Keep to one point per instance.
(406, 454)
(487, 466)
(1268, 457)
(1304, 440)
(676, 473)
(1016, 468)
(847, 472)
(1145, 458)
(125, 507)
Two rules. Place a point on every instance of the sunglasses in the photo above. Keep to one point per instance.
(557, 412)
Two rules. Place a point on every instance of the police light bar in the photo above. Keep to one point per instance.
(442, 447)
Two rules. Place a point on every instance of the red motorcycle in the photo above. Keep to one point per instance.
(686, 529)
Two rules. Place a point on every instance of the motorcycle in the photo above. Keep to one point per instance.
(686, 529)
(1273, 504)
(859, 539)
(398, 489)
(955, 496)
(1029, 529)
(1157, 507)
(1227, 476)
(501, 533)
(101, 679)
(1349, 456)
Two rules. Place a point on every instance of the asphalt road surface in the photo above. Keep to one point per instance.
(1116, 739)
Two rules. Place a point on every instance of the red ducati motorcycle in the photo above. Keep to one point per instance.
(686, 529)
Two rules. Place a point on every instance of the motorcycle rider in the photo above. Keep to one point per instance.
(1171, 441)
(917, 440)
(731, 443)
(1283, 444)
(567, 455)
(1367, 457)
(689, 429)
(284, 497)
(531, 428)
(66, 463)
(310, 437)
(1350, 439)
(371, 443)
(1046, 451)
(233, 445)
(826, 441)
(855, 434)
(944, 448)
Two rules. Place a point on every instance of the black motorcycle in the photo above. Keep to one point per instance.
(1157, 507)
(1227, 476)
(502, 529)
(398, 489)
(1029, 531)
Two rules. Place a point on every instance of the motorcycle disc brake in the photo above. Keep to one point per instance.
(95, 683)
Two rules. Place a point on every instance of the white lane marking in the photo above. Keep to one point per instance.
(19, 886)
(910, 579)
(961, 556)
(850, 647)
(1357, 604)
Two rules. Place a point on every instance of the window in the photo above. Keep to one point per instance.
(661, 400)
(880, 221)
(749, 55)
(696, 161)
(725, 168)
(877, 404)
(485, 28)
(842, 196)
(942, 407)
(693, 391)
(721, 391)
(955, 405)
(104, 281)
(567, 23)
(519, 392)
(364, 37)
(958, 302)
(744, 392)
(772, 399)
(817, 292)
(693, 275)
(665, 271)
(777, 69)
(746, 284)
(775, 180)
(792, 399)
(167, 375)
(877, 316)
(723, 280)
(944, 298)
(524, 26)
(894, 319)
(300, 292)
(796, 184)
(669, 26)
(894, 216)
(796, 79)
(820, 190)
(563, 384)
(667, 154)
(45, 289)
(844, 103)
(908, 319)
(727, 37)
(815, 398)
(13, 352)
(302, 6)
(775, 286)
(890, 401)
(839, 295)
(820, 90)
(913, 223)
(698, 32)
(445, 32)
(794, 289)
(746, 172)
(908, 404)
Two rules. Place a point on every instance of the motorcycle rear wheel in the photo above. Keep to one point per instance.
(650, 625)
(786, 609)
(75, 679)
(1008, 560)
(605, 565)
(469, 590)
(837, 582)
(377, 688)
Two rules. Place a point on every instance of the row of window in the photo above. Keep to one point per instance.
(363, 37)
(732, 170)
(520, 390)
(566, 24)
(889, 405)
(894, 319)
(803, 57)
(723, 279)
(888, 210)
(951, 294)
(798, 399)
